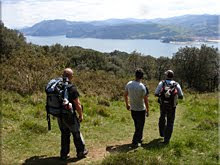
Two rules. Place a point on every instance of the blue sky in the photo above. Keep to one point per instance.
(20, 13)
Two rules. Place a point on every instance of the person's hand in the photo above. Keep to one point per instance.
(147, 113)
(128, 107)
(80, 118)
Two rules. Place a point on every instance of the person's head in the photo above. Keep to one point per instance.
(169, 74)
(139, 74)
(68, 72)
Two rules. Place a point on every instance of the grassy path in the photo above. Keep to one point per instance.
(108, 132)
(151, 135)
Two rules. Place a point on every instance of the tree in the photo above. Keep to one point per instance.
(134, 61)
(163, 64)
(198, 67)
(10, 41)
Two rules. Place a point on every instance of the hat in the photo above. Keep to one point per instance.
(169, 73)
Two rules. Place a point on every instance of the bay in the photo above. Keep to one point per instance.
(146, 47)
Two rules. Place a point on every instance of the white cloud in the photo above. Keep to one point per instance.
(28, 12)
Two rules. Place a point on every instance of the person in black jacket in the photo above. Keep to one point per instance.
(70, 123)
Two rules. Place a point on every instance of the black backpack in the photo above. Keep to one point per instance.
(56, 91)
(168, 94)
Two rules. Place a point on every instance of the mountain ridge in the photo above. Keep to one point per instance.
(186, 27)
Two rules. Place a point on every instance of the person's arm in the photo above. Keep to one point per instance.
(180, 92)
(78, 108)
(126, 100)
(146, 105)
(158, 89)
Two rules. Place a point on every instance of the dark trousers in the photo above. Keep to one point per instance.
(166, 121)
(139, 120)
(69, 124)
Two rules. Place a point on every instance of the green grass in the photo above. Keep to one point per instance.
(107, 123)
(24, 126)
(194, 140)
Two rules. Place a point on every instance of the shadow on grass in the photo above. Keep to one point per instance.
(120, 148)
(154, 144)
(43, 160)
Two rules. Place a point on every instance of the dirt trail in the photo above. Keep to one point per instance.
(98, 154)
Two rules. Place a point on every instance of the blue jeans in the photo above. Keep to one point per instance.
(139, 120)
(69, 124)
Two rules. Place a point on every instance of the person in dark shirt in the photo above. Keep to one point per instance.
(70, 123)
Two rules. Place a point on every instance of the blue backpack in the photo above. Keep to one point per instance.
(56, 92)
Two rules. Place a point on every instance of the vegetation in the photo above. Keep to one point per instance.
(198, 67)
(101, 77)
(26, 68)
(193, 142)
(108, 128)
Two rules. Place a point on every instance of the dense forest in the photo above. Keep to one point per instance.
(26, 67)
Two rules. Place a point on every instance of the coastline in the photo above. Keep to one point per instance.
(194, 42)
(216, 41)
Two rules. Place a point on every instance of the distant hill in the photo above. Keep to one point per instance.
(198, 25)
(181, 27)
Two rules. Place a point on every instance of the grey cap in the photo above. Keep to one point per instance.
(169, 73)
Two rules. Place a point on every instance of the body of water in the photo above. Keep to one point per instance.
(146, 47)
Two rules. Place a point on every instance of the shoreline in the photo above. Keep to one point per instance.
(194, 42)
(216, 41)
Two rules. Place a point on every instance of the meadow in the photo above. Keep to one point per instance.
(108, 130)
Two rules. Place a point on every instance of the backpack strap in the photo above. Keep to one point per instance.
(163, 85)
(48, 122)
(66, 87)
(164, 82)
(48, 119)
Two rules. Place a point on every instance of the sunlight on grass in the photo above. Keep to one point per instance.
(25, 135)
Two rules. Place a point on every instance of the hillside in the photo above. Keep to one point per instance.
(198, 25)
(187, 26)
(108, 130)
(107, 126)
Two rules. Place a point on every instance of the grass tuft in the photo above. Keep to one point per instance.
(103, 102)
(207, 124)
(33, 127)
(102, 111)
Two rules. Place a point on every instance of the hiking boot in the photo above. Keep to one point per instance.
(64, 157)
(165, 142)
(136, 145)
(83, 154)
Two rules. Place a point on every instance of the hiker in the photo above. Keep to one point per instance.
(136, 93)
(70, 123)
(168, 91)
